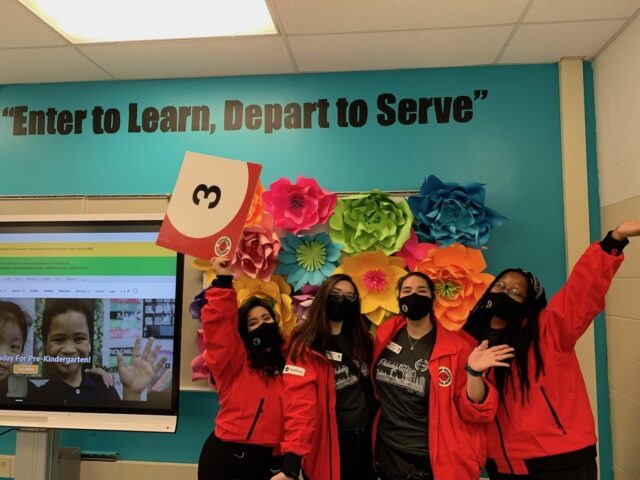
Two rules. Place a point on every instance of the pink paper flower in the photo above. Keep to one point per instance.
(199, 369)
(257, 253)
(300, 206)
(413, 251)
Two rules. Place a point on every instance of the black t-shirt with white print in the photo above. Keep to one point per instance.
(352, 409)
(402, 381)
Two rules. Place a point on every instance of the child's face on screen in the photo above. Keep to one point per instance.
(68, 337)
(11, 342)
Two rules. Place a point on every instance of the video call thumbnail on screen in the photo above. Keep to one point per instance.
(87, 317)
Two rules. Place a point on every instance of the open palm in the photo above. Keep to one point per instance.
(141, 370)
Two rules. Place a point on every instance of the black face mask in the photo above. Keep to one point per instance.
(503, 306)
(265, 336)
(339, 308)
(415, 306)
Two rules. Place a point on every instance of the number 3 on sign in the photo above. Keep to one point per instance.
(200, 220)
(202, 188)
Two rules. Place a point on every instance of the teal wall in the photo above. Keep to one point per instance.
(512, 144)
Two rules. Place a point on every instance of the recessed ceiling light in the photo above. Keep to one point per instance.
(99, 21)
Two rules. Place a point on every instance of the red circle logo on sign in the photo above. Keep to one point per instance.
(223, 246)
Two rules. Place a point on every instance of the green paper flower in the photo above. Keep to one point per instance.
(371, 221)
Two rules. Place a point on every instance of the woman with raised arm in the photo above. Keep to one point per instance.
(544, 429)
(243, 350)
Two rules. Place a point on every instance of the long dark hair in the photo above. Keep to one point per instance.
(271, 362)
(315, 332)
(522, 333)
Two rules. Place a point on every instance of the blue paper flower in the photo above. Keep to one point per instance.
(453, 213)
(307, 259)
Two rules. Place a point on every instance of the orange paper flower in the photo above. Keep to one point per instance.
(457, 272)
(254, 217)
(376, 276)
(277, 290)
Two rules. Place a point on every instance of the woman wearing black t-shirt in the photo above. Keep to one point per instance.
(327, 399)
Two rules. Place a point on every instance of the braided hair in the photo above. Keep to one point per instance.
(521, 333)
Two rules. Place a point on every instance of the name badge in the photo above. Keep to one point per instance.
(336, 356)
(394, 347)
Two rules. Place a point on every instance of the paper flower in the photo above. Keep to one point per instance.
(376, 276)
(205, 266)
(277, 290)
(299, 206)
(257, 253)
(457, 272)
(303, 301)
(307, 259)
(254, 217)
(413, 251)
(199, 369)
(371, 221)
(453, 213)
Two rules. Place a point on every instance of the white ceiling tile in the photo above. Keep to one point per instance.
(381, 51)
(19, 27)
(564, 10)
(193, 58)
(43, 65)
(340, 16)
(547, 43)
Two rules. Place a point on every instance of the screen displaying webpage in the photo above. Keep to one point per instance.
(88, 317)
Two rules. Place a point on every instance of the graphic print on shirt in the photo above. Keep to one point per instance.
(344, 377)
(412, 378)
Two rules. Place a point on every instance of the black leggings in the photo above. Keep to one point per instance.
(236, 461)
(585, 472)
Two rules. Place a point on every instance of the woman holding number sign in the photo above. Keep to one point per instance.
(243, 351)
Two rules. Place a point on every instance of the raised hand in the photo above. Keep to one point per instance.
(630, 228)
(220, 265)
(141, 370)
(482, 357)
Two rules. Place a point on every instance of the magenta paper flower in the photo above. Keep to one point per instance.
(413, 251)
(302, 302)
(257, 253)
(300, 206)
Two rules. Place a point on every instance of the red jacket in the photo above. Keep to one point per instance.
(310, 425)
(250, 405)
(457, 426)
(557, 417)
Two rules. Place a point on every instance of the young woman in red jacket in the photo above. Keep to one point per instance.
(544, 429)
(434, 403)
(243, 350)
(328, 400)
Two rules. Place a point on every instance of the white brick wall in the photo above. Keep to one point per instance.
(617, 96)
